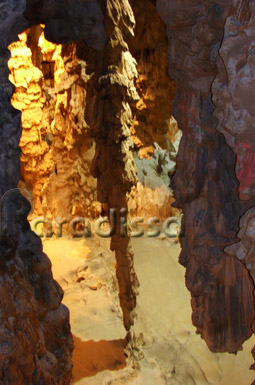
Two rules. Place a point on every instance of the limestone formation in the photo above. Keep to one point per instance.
(199, 53)
(205, 184)
(233, 93)
(60, 82)
(69, 21)
(50, 92)
(36, 343)
(50, 83)
(117, 113)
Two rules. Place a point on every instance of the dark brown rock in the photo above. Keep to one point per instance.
(210, 60)
(205, 184)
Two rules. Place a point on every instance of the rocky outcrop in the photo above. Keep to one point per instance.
(30, 297)
(127, 97)
(35, 339)
(205, 184)
(61, 80)
(109, 115)
(50, 92)
(232, 96)
(152, 113)
(233, 93)
(128, 111)
(152, 197)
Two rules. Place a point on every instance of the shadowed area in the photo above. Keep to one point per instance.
(91, 357)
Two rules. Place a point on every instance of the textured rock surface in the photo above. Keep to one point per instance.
(50, 92)
(55, 127)
(233, 91)
(153, 128)
(36, 343)
(152, 197)
(205, 184)
(35, 331)
(61, 81)
(232, 96)
(125, 102)
(152, 112)
(121, 114)
(109, 116)
(69, 21)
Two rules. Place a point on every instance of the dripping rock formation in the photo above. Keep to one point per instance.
(108, 93)
(51, 83)
(36, 343)
(205, 184)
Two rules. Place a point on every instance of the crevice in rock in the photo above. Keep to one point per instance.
(115, 106)
(60, 83)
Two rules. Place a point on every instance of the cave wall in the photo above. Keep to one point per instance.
(152, 113)
(233, 98)
(35, 339)
(154, 132)
(213, 108)
(128, 110)
(105, 85)
(50, 83)
(51, 95)
(109, 115)
(205, 184)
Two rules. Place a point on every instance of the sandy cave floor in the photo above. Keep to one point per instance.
(171, 352)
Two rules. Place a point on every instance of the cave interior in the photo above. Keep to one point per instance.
(138, 113)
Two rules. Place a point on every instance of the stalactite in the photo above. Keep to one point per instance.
(210, 67)
(109, 115)
(50, 92)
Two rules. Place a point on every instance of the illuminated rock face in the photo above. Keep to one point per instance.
(51, 83)
(111, 99)
(35, 339)
(210, 50)
(50, 92)
(53, 100)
